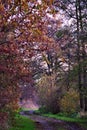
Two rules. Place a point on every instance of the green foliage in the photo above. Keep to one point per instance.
(42, 110)
(23, 123)
(70, 102)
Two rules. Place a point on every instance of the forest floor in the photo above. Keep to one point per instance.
(46, 123)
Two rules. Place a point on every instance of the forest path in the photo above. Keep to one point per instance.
(45, 123)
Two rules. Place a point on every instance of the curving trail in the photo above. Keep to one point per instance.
(45, 123)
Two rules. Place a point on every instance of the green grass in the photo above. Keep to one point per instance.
(23, 123)
(80, 121)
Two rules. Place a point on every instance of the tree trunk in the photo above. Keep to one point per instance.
(83, 56)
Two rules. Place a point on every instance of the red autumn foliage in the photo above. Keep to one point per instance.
(21, 22)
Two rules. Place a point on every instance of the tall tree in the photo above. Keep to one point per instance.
(76, 10)
(22, 24)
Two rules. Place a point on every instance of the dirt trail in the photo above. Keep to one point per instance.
(45, 123)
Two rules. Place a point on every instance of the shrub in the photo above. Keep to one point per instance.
(70, 102)
(47, 93)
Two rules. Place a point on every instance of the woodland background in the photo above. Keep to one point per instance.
(43, 48)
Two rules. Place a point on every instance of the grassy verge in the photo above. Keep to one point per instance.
(23, 123)
(80, 121)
